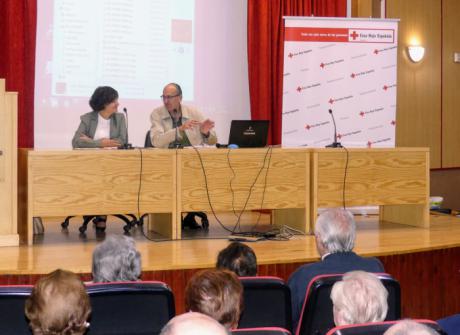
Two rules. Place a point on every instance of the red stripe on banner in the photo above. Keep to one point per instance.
(316, 34)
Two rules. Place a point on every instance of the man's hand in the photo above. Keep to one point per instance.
(206, 126)
(189, 124)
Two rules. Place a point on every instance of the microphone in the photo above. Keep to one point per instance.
(126, 145)
(175, 118)
(334, 144)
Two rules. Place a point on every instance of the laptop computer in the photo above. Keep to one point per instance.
(249, 133)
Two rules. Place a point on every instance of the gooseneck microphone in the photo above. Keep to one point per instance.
(175, 118)
(334, 144)
(126, 145)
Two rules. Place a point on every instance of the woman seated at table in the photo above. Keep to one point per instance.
(103, 127)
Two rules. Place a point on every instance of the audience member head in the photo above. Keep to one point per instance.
(103, 96)
(359, 298)
(193, 324)
(409, 327)
(217, 293)
(116, 259)
(239, 258)
(58, 304)
(335, 231)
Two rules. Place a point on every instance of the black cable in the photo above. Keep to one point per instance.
(345, 177)
(238, 223)
(231, 182)
(140, 184)
(264, 189)
(207, 190)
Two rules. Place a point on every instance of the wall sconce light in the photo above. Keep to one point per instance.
(416, 53)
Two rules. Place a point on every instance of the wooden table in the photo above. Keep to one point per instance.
(292, 182)
(87, 182)
(396, 179)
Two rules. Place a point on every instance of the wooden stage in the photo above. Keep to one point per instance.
(426, 261)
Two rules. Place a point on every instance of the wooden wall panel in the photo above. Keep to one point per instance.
(419, 84)
(450, 84)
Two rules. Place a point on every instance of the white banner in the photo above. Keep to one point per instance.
(344, 65)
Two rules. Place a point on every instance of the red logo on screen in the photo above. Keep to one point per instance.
(354, 35)
(331, 101)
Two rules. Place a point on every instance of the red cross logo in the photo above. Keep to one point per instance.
(385, 87)
(393, 122)
(354, 35)
(353, 75)
(299, 89)
(290, 55)
(369, 144)
(331, 101)
(307, 126)
(321, 65)
(339, 136)
(376, 51)
(362, 114)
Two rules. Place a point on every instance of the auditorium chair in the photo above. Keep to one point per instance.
(12, 304)
(317, 317)
(267, 303)
(134, 308)
(261, 331)
(377, 328)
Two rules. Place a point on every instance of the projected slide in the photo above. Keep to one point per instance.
(137, 47)
(130, 44)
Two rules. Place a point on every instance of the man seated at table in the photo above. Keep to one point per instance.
(335, 232)
(177, 125)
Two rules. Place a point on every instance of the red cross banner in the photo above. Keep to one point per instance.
(343, 66)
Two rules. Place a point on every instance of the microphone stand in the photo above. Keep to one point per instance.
(334, 144)
(126, 145)
(176, 144)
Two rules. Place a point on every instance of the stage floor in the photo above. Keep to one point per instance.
(67, 249)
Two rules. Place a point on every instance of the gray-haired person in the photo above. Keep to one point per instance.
(335, 233)
(409, 327)
(359, 297)
(193, 323)
(116, 259)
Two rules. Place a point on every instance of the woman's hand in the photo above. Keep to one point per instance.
(107, 142)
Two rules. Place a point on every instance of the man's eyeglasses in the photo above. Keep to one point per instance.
(168, 97)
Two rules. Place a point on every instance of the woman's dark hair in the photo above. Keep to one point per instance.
(239, 258)
(102, 96)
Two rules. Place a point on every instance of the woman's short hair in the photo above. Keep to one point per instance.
(239, 258)
(359, 298)
(102, 96)
(336, 229)
(116, 259)
(58, 304)
(216, 293)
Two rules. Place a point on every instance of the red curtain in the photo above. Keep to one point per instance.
(265, 52)
(17, 60)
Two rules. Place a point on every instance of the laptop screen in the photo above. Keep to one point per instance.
(249, 133)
